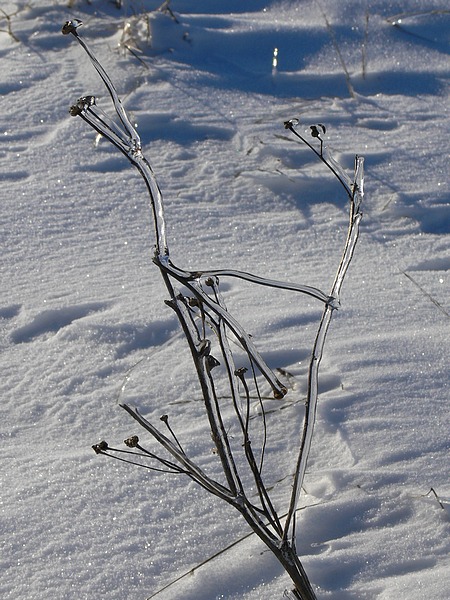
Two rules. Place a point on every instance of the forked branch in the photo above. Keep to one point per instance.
(208, 326)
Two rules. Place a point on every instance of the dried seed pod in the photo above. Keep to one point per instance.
(101, 447)
(241, 372)
(132, 441)
(212, 362)
(204, 347)
(82, 104)
(291, 123)
(317, 130)
(71, 26)
(75, 110)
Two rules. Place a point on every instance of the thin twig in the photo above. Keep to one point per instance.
(365, 43)
(427, 294)
(9, 30)
(213, 556)
(338, 51)
(433, 491)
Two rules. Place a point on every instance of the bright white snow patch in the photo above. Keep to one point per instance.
(82, 304)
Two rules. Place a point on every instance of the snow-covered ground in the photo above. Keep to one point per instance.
(82, 311)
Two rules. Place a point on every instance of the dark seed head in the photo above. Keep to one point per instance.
(71, 26)
(101, 447)
(132, 441)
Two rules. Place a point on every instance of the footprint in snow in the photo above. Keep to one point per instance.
(52, 320)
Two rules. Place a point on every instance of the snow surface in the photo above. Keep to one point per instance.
(82, 309)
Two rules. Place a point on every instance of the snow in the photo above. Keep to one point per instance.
(84, 326)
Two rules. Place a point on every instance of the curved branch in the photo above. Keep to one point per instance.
(313, 373)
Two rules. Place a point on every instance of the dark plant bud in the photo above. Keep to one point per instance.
(204, 347)
(241, 372)
(75, 110)
(71, 26)
(164, 418)
(82, 104)
(280, 394)
(101, 447)
(291, 123)
(87, 101)
(212, 362)
(209, 282)
(315, 130)
(132, 441)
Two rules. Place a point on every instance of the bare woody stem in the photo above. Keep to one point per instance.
(355, 216)
(260, 514)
